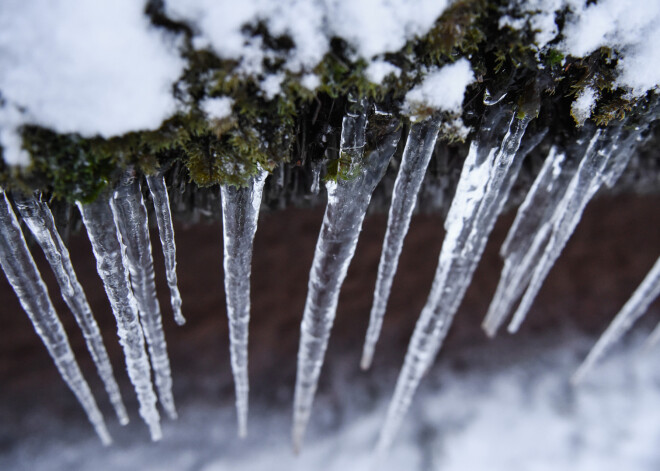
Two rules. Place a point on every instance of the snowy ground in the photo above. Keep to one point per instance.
(501, 410)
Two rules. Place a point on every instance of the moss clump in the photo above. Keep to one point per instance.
(302, 125)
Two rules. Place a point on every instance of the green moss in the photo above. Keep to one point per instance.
(299, 124)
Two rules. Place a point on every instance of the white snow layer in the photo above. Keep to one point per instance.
(512, 409)
(88, 67)
(442, 89)
(372, 27)
(101, 68)
(631, 27)
(217, 108)
(378, 70)
(584, 105)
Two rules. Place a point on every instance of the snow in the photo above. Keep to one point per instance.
(442, 89)
(372, 27)
(378, 70)
(484, 415)
(91, 67)
(217, 108)
(629, 26)
(584, 105)
(310, 81)
(272, 85)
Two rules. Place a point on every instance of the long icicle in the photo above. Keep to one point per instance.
(582, 188)
(415, 160)
(240, 213)
(163, 213)
(39, 220)
(637, 305)
(111, 264)
(24, 277)
(485, 181)
(348, 200)
(130, 215)
(523, 244)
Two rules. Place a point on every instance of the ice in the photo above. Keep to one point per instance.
(637, 305)
(240, 212)
(39, 219)
(161, 200)
(111, 264)
(487, 176)
(521, 249)
(130, 214)
(24, 277)
(415, 160)
(582, 187)
(348, 200)
(316, 178)
(619, 160)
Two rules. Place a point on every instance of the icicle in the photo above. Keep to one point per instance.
(620, 158)
(581, 189)
(654, 338)
(39, 220)
(111, 264)
(130, 215)
(240, 212)
(522, 247)
(348, 200)
(638, 303)
(483, 187)
(24, 277)
(166, 231)
(316, 177)
(415, 160)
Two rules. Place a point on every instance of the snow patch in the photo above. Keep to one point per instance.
(442, 89)
(217, 108)
(371, 27)
(272, 85)
(378, 70)
(630, 27)
(584, 105)
(92, 67)
(310, 81)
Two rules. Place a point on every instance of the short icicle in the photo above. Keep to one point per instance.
(24, 277)
(486, 179)
(637, 305)
(111, 264)
(240, 213)
(415, 160)
(524, 243)
(39, 219)
(130, 214)
(161, 201)
(348, 199)
(583, 186)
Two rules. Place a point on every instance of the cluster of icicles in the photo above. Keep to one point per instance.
(118, 230)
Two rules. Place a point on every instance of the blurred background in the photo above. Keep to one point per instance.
(501, 404)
